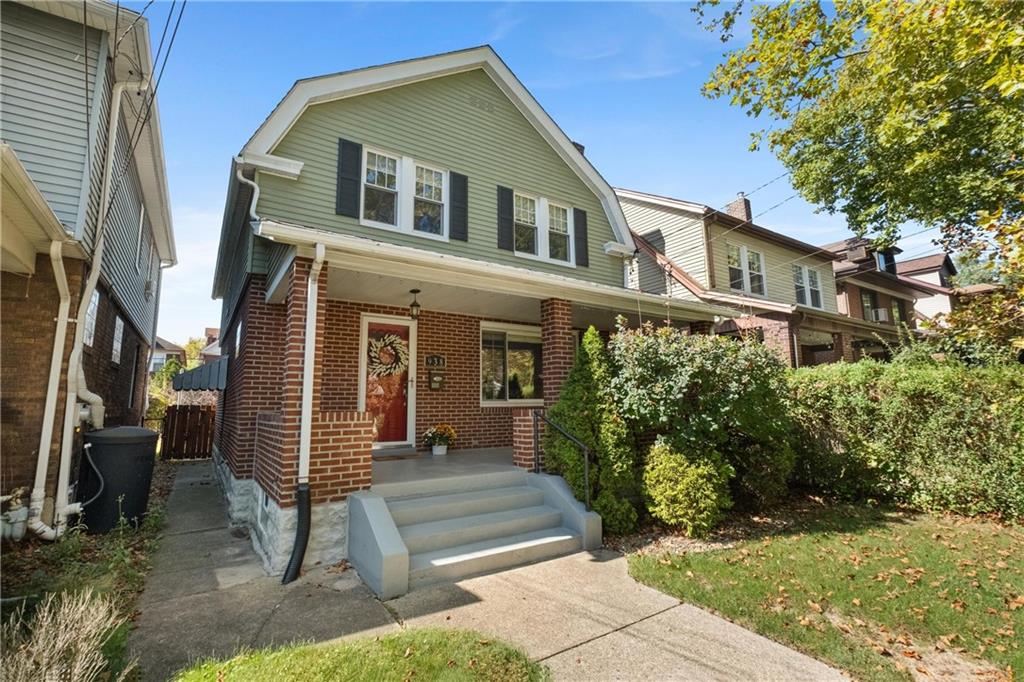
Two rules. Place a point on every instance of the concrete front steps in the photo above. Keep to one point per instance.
(409, 534)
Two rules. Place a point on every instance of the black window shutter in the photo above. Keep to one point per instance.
(506, 219)
(458, 194)
(579, 227)
(350, 161)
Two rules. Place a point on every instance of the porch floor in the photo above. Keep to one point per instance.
(396, 477)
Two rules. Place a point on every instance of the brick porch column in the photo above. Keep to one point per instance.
(779, 337)
(522, 437)
(294, 348)
(557, 346)
(842, 347)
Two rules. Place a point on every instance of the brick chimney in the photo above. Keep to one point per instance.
(739, 207)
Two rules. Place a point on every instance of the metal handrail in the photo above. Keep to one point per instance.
(538, 416)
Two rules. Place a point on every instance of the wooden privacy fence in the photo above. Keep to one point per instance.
(188, 431)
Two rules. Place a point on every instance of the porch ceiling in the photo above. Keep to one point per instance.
(393, 290)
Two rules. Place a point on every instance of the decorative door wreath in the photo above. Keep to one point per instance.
(388, 355)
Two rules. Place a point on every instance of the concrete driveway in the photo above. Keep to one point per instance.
(581, 615)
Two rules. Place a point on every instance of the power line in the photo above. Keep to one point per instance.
(130, 26)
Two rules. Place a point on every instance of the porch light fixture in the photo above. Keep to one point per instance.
(414, 307)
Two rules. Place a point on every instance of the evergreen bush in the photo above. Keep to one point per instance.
(689, 490)
(586, 410)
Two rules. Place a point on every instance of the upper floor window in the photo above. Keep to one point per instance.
(807, 283)
(428, 205)
(526, 224)
(380, 189)
(89, 334)
(558, 233)
(115, 353)
(899, 310)
(885, 261)
(868, 303)
(746, 270)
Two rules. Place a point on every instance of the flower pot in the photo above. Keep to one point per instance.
(438, 450)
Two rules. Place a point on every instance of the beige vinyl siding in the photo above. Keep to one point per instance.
(677, 234)
(463, 123)
(648, 276)
(778, 266)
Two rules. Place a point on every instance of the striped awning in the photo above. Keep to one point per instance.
(213, 376)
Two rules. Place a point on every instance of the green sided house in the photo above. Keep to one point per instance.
(408, 245)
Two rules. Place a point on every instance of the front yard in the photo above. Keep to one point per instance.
(422, 653)
(881, 593)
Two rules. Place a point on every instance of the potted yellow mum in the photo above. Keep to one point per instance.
(439, 438)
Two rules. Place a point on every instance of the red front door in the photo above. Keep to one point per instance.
(387, 355)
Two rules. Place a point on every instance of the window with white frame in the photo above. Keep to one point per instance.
(526, 224)
(510, 363)
(807, 283)
(559, 244)
(238, 339)
(380, 189)
(746, 269)
(144, 244)
(115, 352)
(428, 203)
(89, 334)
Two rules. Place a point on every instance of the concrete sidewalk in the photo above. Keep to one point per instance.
(581, 615)
(207, 594)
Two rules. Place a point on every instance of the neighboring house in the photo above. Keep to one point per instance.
(164, 350)
(938, 271)
(869, 288)
(69, 103)
(211, 351)
(425, 246)
(784, 290)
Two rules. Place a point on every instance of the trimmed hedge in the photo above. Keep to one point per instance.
(690, 491)
(937, 436)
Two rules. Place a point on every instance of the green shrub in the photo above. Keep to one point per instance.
(586, 410)
(709, 393)
(689, 491)
(940, 436)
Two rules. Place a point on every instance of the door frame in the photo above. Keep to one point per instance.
(364, 327)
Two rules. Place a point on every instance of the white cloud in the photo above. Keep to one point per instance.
(505, 20)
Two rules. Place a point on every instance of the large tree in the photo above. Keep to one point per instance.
(894, 112)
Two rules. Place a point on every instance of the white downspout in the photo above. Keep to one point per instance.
(76, 384)
(38, 496)
(308, 356)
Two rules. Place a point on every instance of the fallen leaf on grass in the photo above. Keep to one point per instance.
(408, 652)
(856, 602)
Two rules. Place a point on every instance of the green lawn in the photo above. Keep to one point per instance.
(422, 654)
(877, 592)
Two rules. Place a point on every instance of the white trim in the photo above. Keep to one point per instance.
(312, 91)
(506, 328)
(378, 257)
(542, 219)
(364, 324)
(805, 271)
(273, 165)
(405, 194)
(138, 243)
(91, 315)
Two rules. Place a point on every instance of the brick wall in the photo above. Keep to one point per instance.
(522, 437)
(254, 375)
(122, 384)
(776, 331)
(456, 337)
(28, 308)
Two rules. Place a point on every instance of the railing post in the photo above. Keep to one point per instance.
(536, 441)
(586, 474)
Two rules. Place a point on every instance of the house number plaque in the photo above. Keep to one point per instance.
(435, 371)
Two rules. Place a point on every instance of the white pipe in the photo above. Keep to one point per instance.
(308, 356)
(38, 496)
(76, 385)
(255, 191)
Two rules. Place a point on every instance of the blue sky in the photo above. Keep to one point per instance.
(623, 79)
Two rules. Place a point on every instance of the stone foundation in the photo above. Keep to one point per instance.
(238, 492)
(273, 533)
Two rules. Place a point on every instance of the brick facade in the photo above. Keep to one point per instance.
(776, 331)
(522, 437)
(558, 346)
(28, 310)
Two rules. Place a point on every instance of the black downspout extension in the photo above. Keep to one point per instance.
(301, 535)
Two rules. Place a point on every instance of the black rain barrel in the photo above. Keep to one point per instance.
(124, 456)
